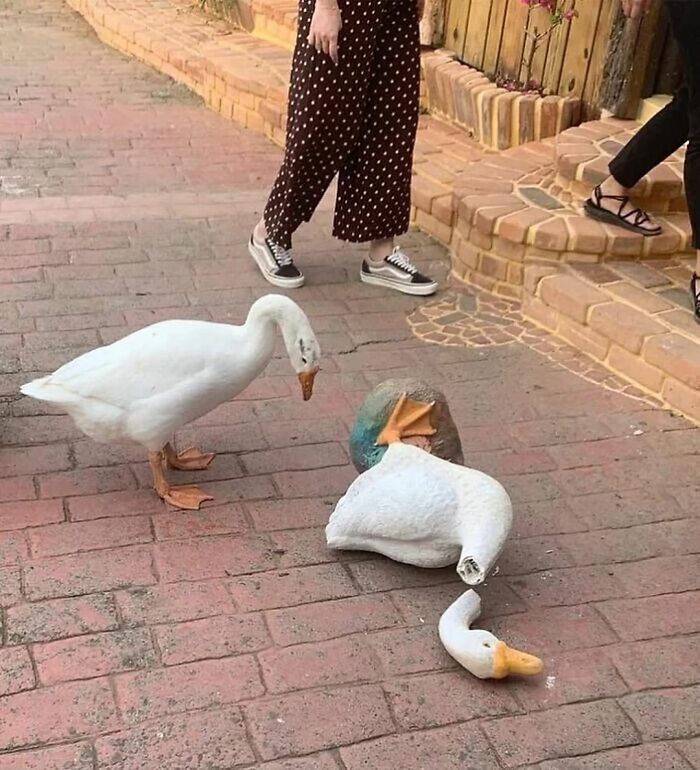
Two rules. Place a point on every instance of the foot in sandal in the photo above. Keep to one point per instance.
(611, 205)
(695, 296)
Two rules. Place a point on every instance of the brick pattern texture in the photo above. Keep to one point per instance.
(134, 637)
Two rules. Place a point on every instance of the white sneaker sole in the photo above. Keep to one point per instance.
(414, 289)
(258, 254)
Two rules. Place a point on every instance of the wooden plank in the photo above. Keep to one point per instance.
(477, 24)
(457, 26)
(432, 26)
(640, 63)
(537, 23)
(626, 64)
(494, 36)
(551, 78)
(580, 48)
(610, 13)
(511, 55)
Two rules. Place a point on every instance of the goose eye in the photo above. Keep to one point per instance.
(487, 644)
(303, 359)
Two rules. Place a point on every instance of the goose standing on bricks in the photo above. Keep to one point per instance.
(146, 386)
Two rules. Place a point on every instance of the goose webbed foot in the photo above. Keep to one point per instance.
(409, 420)
(187, 498)
(188, 460)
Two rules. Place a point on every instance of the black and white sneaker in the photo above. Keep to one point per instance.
(275, 263)
(398, 272)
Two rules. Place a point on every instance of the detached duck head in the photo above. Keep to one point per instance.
(479, 651)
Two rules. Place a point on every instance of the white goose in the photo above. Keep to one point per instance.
(146, 386)
(422, 510)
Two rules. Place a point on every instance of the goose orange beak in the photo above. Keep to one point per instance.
(509, 661)
(306, 380)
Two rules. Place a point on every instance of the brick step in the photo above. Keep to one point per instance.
(509, 212)
(271, 20)
(245, 79)
(584, 153)
(633, 317)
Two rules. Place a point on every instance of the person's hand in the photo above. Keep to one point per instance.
(326, 24)
(420, 9)
(634, 9)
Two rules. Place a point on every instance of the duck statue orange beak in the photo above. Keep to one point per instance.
(509, 661)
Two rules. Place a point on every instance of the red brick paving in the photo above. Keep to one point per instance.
(136, 638)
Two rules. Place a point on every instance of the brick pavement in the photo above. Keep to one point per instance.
(136, 638)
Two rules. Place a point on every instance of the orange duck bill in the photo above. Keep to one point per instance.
(508, 661)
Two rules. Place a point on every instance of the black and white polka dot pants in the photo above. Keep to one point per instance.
(357, 120)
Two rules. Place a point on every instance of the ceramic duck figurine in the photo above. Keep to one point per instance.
(146, 386)
(480, 652)
(442, 441)
(422, 510)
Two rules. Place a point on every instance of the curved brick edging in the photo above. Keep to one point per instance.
(635, 332)
(496, 117)
(271, 20)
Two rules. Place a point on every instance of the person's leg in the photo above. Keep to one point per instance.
(685, 25)
(327, 103)
(661, 136)
(374, 188)
(658, 138)
(374, 191)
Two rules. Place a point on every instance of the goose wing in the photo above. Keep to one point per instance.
(146, 363)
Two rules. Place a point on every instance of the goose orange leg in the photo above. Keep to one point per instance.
(188, 498)
(409, 419)
(188, 460)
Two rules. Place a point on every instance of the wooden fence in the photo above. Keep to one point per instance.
(489, 35)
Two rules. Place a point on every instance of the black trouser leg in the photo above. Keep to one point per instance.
(685, 24)
(660, 137)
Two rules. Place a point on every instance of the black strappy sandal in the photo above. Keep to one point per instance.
(695, 296)
(633, 220)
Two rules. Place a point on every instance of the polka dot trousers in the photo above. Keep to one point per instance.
(357, 120)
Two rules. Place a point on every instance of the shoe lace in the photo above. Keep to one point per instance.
(401, 259)
(282, 256)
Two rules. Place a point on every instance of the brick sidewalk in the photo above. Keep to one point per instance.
(137, 638)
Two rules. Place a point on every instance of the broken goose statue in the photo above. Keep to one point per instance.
(149, 384)
(422, 510)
